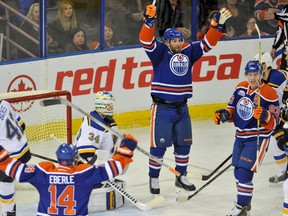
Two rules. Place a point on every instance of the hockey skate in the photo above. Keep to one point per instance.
(238, 210)
(278, 178)
(154, 186)
(182, 182)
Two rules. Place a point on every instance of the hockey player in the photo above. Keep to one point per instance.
(277, 79)
(65, 189)
(93, 139)
(171, 86)
(13, 138)
(251, 141)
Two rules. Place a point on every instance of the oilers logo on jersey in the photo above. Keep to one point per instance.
(245, 108)
(179, 64)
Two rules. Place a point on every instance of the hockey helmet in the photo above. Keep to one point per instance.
(171, 33)
(66, 154)
(253, 66)
(104, 103)
(265, 58)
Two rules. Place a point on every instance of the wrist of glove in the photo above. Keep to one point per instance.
(4, 154)
(262, 114)
(220, 18)
(221, 115)
(149, 15)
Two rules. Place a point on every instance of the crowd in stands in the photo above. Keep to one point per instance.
(72, 26)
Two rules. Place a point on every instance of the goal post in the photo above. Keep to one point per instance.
(40, 121)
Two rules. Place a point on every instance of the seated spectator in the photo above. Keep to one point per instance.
(172, 14)
(78, 42)
(206, 26)
(127, 17)
(23, 8)
(32, 30)
(251, 29)
(262, 8)
(109, 38)
(63, 24)
(204, 8)
(235, 25)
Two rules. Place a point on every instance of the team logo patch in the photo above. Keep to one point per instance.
(179, 64)
(244, 108)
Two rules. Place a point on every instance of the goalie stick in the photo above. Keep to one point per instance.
(142, 206)
(206, 177)
(186, 198)
(57, 101)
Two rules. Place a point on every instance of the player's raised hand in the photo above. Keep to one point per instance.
(262, 114)
(220, 18)
(127, 146)
(149, 15)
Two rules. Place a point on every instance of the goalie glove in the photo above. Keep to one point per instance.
(221, 115)
(262, 114)
(149, 15)
(220, 18)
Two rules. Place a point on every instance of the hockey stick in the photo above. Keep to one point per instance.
(186, 198)
(43, 157)
(57, 101)
(142, 206)
(258, 99)
(206, 177)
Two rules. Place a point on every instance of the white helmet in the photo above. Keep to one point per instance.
(104, 103)
(265, 58)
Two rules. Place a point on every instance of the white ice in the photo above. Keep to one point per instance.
(211, 145)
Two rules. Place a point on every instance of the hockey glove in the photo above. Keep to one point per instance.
(3, 154)
(220, 18)
(262, 114)
(221, 115)
(127, 146)
(281, 137)
(149, 15)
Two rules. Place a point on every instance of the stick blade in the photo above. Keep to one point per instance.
(151, 204)
(50, 102)
(182, 199)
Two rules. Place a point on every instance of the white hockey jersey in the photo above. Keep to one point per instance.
(92, 137)
(12, 136)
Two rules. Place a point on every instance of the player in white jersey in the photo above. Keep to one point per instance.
(277, 79)
(92, 138)
(12, 138)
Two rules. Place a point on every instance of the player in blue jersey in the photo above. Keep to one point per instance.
(13, 138)
(171, 86)
(65, 189)
(277, 79)
(251, 139)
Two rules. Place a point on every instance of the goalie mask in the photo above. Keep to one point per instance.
(265, 58)
(66, 154)
(104, 103)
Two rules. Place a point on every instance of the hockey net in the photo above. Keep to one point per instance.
(42, 122)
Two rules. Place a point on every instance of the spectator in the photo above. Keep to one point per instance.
(171, 14)
(262, 8)
(126, 16)
(239, 13)
(109, 38)
(32, 30)
(205, 7)
(23, 8)
(251, 29)
(63, 24)
(207, 25)
(78, 42)
(91, 13)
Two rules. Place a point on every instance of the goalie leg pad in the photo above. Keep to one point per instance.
(106, 198)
